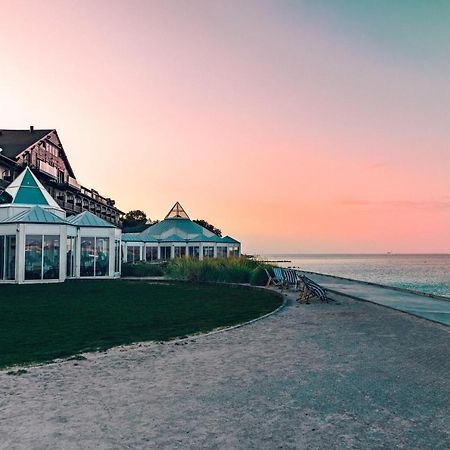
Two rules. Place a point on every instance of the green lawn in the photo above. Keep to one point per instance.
(39, 323)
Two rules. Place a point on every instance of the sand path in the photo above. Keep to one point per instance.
(348, 375)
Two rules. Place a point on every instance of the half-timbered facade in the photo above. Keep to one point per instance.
(43, 153)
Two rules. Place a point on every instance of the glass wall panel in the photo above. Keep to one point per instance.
(165, 252)
(180, 251)
(233, 250)
(102, 257)
(2, 257)
(117, 256)
(87, 257)
(33, 257)
(194, 251)
(133, 253)
(10, 258)
(208, 252)
(221, 252)
(151, 253)
(51, 258)
(130, 254)
(71, 255)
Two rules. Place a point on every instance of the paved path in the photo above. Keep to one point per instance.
(351, 375)
(419, 305)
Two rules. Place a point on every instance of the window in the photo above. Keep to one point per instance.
(6, 175)
(221, 252)
(50, 267)
(71, 249)
(208, 252)
(41, 257)
(233, 250)
(7, 257)
(33, 257)
(194, 251)
(117, 253)
(2, 256)
(101, 257)
(151, 253)
(133, 253)
(165, 252)
(87, 257)
(94, 260)
(10, 258)
(180, 252)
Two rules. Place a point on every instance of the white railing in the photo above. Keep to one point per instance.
(74, 183)
(47, 168)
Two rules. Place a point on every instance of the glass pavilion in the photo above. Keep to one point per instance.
(177, 236)
(38, 244)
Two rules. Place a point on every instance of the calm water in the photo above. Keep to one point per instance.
(425, 273)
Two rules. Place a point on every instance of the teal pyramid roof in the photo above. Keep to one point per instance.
(35, 215)
(87, 219)
(27, 190)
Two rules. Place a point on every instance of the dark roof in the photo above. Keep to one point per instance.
(13, 142)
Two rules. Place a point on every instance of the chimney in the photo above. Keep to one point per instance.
(31, 128)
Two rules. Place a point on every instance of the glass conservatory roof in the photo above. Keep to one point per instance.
(177, 212)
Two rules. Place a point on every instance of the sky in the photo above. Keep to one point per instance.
(294, 126)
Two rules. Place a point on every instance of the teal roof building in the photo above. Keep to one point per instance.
(38, 244)
(177, 236)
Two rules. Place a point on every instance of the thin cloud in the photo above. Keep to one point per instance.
(377, 165)
(436, 205)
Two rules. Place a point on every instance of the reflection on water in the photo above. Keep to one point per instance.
(425, 273)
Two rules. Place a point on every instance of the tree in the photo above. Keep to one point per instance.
(134, 218)
(208, 226)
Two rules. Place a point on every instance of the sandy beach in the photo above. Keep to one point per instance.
(346, 375)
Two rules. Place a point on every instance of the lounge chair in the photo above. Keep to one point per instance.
(291, 278)
(312, 289)
(273, 280)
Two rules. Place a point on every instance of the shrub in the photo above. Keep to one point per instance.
(231, 270)
(258, 277)
(142, 269)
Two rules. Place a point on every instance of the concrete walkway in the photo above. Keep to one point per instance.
(424, 306)
(345, 375)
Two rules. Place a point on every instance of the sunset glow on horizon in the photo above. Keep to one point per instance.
(291, 126)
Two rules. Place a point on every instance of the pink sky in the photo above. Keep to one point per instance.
(293, 129)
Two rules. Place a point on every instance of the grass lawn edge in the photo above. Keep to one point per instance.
(20, 368)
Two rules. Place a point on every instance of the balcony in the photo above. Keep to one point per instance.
(74, 183)
(48, 169)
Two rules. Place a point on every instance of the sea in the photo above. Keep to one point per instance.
(419, 272)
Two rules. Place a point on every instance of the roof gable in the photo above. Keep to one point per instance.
(87, 219)
(13, 142)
